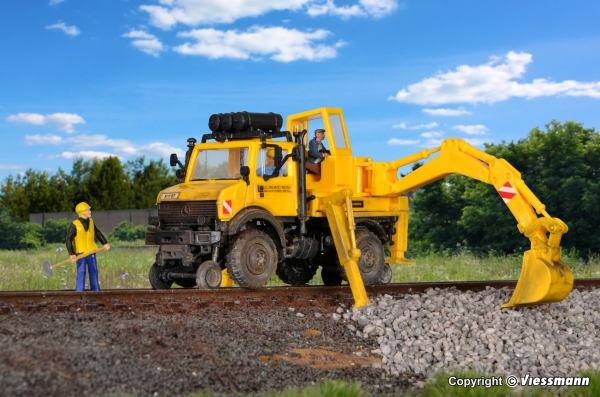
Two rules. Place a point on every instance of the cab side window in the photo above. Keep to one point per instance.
(266, 163)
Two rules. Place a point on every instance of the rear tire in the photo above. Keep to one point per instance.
(371, 263)
(331, 276)
(155, 277)
(209, 275)
(296, 271)
(253, 259)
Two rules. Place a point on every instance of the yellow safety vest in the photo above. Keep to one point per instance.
(84, 241)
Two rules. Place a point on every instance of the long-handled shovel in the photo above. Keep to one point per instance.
(48, 269)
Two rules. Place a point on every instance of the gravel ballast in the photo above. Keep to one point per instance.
(449, 329)
(229, 351)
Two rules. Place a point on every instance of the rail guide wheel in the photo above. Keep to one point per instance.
(208, 275)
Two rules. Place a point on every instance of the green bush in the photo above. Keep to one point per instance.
(17, 235)
(55, 231)
(125, 231)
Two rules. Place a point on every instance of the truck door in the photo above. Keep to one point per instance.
(279, 194)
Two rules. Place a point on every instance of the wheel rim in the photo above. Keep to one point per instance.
(369, 259)
(257, 259)
(213, 277)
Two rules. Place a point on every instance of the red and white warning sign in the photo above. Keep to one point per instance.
(507, 192)
(227, 207)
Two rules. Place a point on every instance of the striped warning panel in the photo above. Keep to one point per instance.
(227, 207)
(507, 192)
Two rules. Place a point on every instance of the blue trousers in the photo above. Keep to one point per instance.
(90, 261)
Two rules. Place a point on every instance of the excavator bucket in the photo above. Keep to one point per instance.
(542, 280)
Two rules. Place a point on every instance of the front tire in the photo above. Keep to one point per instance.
(155, 277)
(253, 259)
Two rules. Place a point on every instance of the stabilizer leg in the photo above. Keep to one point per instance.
(342, 229)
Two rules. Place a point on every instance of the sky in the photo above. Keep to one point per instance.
(129, 78)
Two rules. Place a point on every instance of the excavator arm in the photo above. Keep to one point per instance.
(544, 276)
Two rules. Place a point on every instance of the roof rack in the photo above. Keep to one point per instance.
(232, 136)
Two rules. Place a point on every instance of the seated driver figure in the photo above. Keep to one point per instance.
(317, 152)
(269, 166)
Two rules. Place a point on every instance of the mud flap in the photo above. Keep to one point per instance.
(542, 280)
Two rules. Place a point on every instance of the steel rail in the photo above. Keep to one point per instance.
(190, 298)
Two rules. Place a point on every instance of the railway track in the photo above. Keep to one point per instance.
(192, 299)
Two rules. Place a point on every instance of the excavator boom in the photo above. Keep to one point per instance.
(544, 276)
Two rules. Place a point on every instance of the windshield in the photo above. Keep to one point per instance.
(220, 163)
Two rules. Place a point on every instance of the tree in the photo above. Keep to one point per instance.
(560, 165)
(14, 198)
(434, 215)
(107, 185)
(147, 181)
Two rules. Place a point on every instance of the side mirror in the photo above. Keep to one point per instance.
(245, 172)
(173, 160)
(180, 174)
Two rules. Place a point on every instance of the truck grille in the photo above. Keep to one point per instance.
(185, 213)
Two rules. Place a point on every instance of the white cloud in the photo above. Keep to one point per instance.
(432, 134)
(155, 149)
(55, 2)
(395, 141)
(42, 140)
(70, 30)
(330, 8)
(196, 12)
(423, 126)
(145, 42)
(446, 112)
(416, 127)
(84, 141)
(477, 129)
(432, 142)
(10, 167)
(476, 142)
(209, 12)
(86, 154)
(64, 121)
(379, 8)
(281, 44)
(123, 147)
(489, 83)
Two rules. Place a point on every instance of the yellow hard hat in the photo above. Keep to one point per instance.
(82, 207)
(271, 153)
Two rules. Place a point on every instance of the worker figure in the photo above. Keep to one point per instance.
(80, 239)
(317, 152)
(269, 166)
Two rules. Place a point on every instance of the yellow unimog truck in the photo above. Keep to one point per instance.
(248, 206)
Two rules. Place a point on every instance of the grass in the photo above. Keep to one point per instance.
(128, 268)
(468, 266)
(117, 268)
